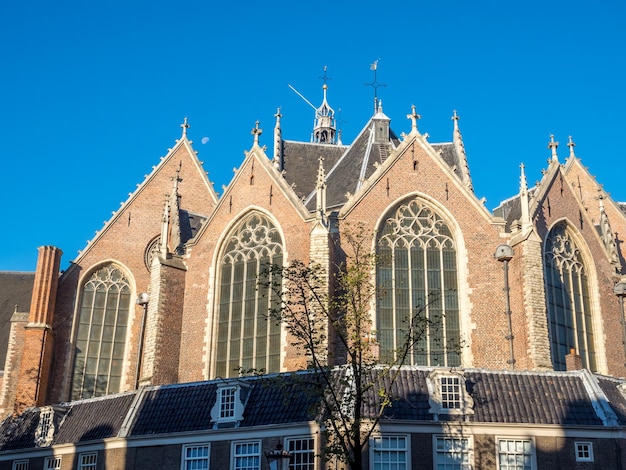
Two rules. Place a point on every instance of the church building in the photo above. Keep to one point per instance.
(166, 292)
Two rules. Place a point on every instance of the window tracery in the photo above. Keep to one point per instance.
(101, 333)
(246, 337)
(569, 306)
(417, 286)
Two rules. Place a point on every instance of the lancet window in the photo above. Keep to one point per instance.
(417, 287)
(247, 338)
(568, 300)
(101, 333)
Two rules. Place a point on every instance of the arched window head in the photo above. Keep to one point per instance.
(567, 293)
(247, 338)
(417, 287)
(101, 333)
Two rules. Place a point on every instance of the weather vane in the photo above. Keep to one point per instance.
(374, 84)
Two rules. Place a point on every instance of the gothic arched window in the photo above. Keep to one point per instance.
(246, 336)
(101, 334)
(569, 307)
(417, 286)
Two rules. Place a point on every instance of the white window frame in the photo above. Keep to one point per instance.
(376, 449)
(228, 402)
(52, 463)
(439, 394)
(579, 449)
(20, 464)
(234, 404)
(83, 465)
(531, 454)
(469, 450)
(234, 454)
(183, 454)
(300, 465)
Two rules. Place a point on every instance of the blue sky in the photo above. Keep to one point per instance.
(93, 93)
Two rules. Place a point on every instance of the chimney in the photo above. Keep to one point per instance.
(38, 339)
(573, 361)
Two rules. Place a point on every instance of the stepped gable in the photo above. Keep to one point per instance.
(16, 289)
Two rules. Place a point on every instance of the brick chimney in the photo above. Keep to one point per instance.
(573, 361)
(32, 383)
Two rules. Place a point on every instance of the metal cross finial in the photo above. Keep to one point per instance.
(374, 84)
(325, 77)
(256, 132)
(185, 126)
(413, 117)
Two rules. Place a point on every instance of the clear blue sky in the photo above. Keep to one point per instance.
(92, 93)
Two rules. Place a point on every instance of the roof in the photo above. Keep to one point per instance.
(16, 289)
(565, 399)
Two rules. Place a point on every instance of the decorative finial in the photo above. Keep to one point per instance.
(413, 117)
(571, 146)
(374, 84)
(256, 132)
(325, 77)
(523, 184)
(185, 126)
(553, 146)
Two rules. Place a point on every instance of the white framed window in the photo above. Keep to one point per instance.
(45, 429)
(195, 457)
(584, 451)
(302, 450)
(247, 455)
(20, 465)
(515, 454)
(451, 392)
(447, 394)
(453, 453)
(390, 452)
(227, 402)
(87, 461)
(52, 463)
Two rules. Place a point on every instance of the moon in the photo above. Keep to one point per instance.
(205, 140)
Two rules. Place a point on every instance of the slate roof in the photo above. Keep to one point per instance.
(566, 399)
(16, 288)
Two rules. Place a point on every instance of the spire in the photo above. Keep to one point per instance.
(256, 132)
(278, 143)
(607, 235)
(571, 145)
(320, 190)
(185, 126)
(552, 145)
(413, 117)
(523, 194)
(459, 146)
(324, 128)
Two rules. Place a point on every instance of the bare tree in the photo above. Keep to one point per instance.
(328, 317)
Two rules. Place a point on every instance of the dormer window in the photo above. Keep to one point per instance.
(45, 429)
(229, 404)
(448, 396)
